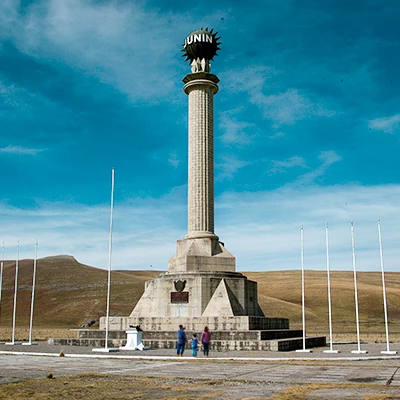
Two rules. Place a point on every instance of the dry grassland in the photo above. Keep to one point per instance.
(280, 295)
(97, 387)
(38, 333)
(69, 294)
(92, 386)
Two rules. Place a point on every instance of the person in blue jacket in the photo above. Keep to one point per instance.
(181, 341)
(194, 342)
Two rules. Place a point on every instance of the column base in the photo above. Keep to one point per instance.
(201, 254)
(201, 235)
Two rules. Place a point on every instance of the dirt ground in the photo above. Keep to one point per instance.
(93, 386)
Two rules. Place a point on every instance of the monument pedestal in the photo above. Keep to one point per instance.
(201, 288)
(201, 282)
(202, 294)
(133, 340)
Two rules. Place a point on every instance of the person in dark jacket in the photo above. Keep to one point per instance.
(181, 341)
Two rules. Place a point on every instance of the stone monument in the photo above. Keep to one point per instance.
(201, 286)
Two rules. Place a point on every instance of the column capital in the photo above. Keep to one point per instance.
(200, 75)
(200, 79)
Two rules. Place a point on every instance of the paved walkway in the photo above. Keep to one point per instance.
(21, 367)
(373, 352)
(24, 362)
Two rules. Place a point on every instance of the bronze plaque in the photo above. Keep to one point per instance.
(179, 297)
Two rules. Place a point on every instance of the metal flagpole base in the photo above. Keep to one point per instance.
(29, 344)
(359, 351)
(304, 351)
(388, 352)
(106, 350)
(332, 351)
(13, 343)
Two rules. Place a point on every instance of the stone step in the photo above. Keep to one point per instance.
(288, 344)
(280, 334)
(297, 343)
(237, 323)
(216, 335)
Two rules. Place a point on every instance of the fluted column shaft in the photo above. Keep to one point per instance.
(201, 155)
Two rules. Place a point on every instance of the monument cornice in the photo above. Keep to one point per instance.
(200, 75)
(201, 83)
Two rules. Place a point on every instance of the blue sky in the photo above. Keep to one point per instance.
(307, 129)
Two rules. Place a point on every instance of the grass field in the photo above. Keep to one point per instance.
(280, 295)
(69, 294)
(94, 386)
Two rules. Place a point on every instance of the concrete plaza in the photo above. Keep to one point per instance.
(25, 362)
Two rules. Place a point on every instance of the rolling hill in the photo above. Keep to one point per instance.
(69, 294)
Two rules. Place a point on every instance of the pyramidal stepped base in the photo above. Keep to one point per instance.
(201, 288)
(200, 282)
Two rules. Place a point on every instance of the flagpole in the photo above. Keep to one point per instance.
(106, 348)
(1, 275)
(109, 257)
(329, 292)
(304, 350)
(358, 351)
(33, 296)
(13, 342)
(387, 351)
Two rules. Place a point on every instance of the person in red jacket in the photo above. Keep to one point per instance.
(205, 340)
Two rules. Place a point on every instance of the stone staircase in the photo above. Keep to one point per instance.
(267, 340)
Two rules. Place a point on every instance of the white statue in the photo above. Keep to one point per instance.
(200, 65)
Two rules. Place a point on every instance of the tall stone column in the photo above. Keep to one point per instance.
(201, 250)
(201, 88)
(201, 285)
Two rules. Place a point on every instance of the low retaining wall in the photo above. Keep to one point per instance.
(239, 323)
(216, 345)
(272, 340)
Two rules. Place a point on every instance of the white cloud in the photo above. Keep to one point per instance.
(18, 99)
(128, 45)
(249, 79)
(262, 230)
(288, 107)
(235, 132)
(14, 97)
(284, 108)
(282, 166)
(20, 150)
(8, 17)
(142, 233)
(388, 124)
(328, 158)
(174, 160)
(228, 166)
(277, 135)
